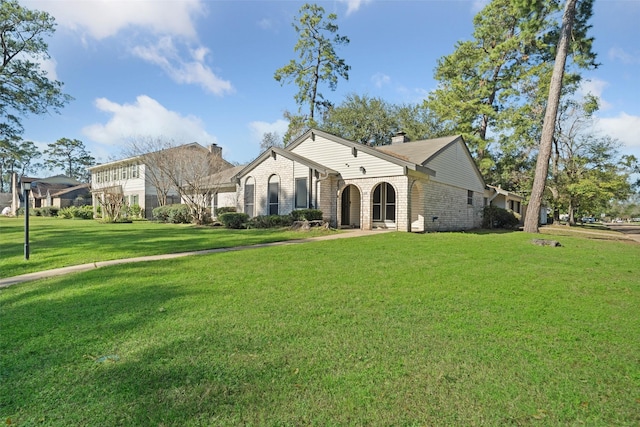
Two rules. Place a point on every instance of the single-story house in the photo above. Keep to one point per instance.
(422, 185)
(496, 196)
(58, 191)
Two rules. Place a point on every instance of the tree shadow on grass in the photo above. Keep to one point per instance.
(94, 349)
(56, 325)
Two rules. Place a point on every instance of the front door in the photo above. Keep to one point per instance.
(345, 219)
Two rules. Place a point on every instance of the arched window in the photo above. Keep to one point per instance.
(249, 196)
(274, 190)
(384, 203)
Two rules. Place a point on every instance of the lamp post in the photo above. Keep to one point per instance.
(26, 187)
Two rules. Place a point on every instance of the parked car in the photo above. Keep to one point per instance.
(588, 220)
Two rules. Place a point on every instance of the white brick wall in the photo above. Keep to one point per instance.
(449, 205)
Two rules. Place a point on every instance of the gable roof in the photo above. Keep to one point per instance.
(499, 190)
(71, 189)
(289, 155)
(223, 179)
(393, 158)
(419, 152)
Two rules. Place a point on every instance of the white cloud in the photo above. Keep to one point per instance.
(258, 129)
(478, 5)
(354, 5)
(623, 127)
(184, 71)
(145, 117)
(413, 95)
(266, 24)
(595, 87)
(619, 54)
(166, 20)
(106, 18)
(380, 79)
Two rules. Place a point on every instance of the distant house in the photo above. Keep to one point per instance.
(223, 187)
(406, 186)
(58, 191)
(496, 196)
(134, 179)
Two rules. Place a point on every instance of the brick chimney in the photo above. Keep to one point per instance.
(399, 138)
(215, 149)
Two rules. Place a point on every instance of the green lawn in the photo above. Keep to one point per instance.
(393, 329)
(56, 242)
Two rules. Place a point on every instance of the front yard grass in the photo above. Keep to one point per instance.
(56, 242)
(392, 329)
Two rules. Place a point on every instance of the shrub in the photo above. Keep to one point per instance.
(225, 209)
(234, 219)
(307, 214)
(179, 214)
(65, 213)
(78, 212)
(161, 213)
(495, 217)
(49, 211)
(176, 214)
(136, 210)
(84, 212)
(271, 221)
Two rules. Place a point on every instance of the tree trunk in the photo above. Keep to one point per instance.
(549, 124)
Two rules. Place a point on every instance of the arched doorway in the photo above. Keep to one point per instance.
(350, 205)
(384, 205)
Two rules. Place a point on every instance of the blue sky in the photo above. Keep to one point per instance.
(196, 70)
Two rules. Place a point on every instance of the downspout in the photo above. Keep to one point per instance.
(310, 201)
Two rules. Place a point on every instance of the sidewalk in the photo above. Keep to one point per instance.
(8, 281)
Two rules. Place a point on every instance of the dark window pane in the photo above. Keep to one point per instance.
(301, 193)
(390, 213)
(376, 194)
(391, 194)
(273, 192)
(376, 212)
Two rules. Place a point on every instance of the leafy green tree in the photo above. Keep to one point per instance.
(373, 121)
(591, 176)
(362, 119)
(71, 156)
(317, 61)
(492, 89)
(16, 157)
(24, 86)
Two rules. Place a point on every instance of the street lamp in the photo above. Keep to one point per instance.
(26, 187)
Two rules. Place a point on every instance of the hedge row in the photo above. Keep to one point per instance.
(46, 211)
(175, 214)
(241, 220)
(77, 212)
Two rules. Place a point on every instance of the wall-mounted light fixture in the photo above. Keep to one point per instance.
(363, 170)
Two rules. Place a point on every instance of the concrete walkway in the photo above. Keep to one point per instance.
(8, 281)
